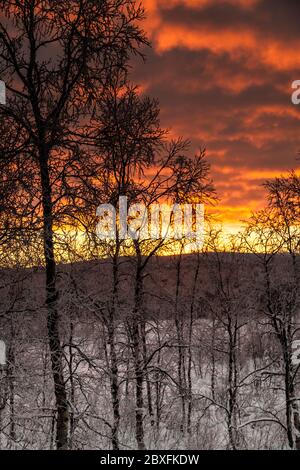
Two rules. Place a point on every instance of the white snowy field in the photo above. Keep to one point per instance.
(213, 369)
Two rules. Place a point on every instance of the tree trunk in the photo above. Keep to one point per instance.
(138, 362)
(11, 383)
(181, 352)
(190, 354)
(113, 362)
(56, 352)
(147, 379)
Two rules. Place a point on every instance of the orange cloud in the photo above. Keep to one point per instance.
(223, 72)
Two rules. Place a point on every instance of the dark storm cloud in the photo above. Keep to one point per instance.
(268, 17)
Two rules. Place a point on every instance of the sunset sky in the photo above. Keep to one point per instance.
(222, 71)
